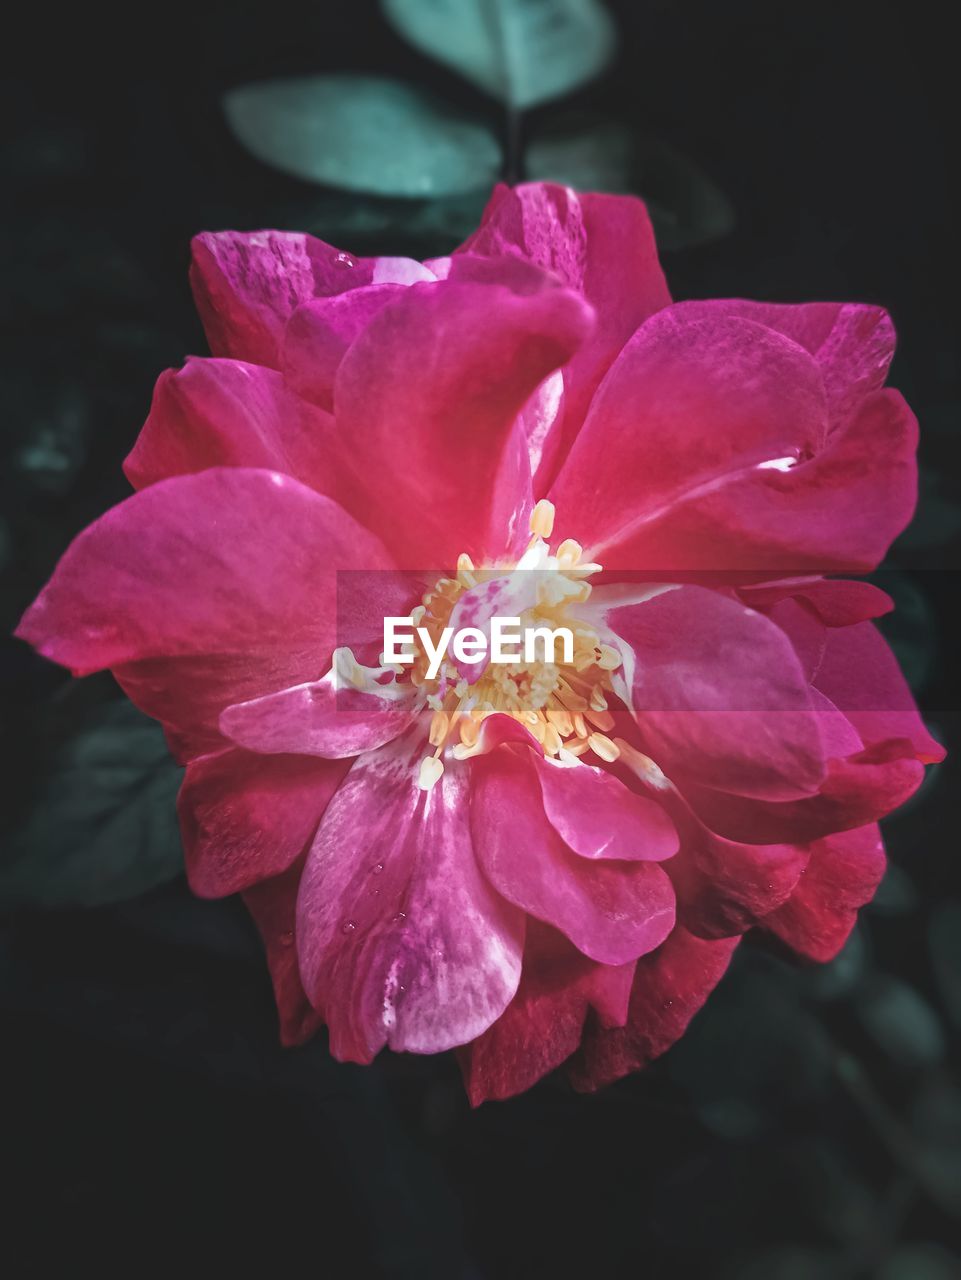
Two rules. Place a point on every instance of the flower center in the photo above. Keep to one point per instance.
(563, 704)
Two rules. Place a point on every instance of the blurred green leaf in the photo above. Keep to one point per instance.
(592, 153)
(944, 942)
(104, 826)
(937, 519)
(520, 51)
(363, 133)
(901, 1022)
(927, 1261)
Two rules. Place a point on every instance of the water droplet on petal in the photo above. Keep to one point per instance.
(348, 926)
(343, 260)
(401, 915)
(377, 868)
(286, 939)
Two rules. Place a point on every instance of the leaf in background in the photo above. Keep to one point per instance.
(363, 133)
(104, 825)
(900, 1022)
(521, 51)
(597, 154)
(944, 943)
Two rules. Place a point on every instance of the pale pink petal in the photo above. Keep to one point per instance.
(402, 942)
(319, 719)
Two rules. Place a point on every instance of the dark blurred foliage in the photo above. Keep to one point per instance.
(809, 1125)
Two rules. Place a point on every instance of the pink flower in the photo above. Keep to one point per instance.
(540, 865)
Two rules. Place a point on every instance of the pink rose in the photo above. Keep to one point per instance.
(543, 863)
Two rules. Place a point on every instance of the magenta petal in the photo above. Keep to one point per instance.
(603, 247)
(836, 511)
(542, 1025)
(402, 942)
(861, 676)
(427, 401)
(724, 887)
(222, 413)
(670, 985)
(719, 695)
(247, 284)
(318, 719)
(688, 405)
(842, 875)
(228, 561)
(611, 911)
(319, 332)
(852, 343)
(272, 904)
(246, 818)
(597, 816)
(836, 601)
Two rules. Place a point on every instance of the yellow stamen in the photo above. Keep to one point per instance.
(542, 519)
(602, 746)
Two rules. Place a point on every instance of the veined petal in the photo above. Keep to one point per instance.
(402, 942)
(247, 284)
(320, 719)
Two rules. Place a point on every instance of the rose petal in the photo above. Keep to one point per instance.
(246, 818)
(670, 985)
(427, 399)
(603, 247)
(861, 676)
(598, 817)
(611, 911)
(216, 413)
(319, 719)
(719, 695)
(319, 333)
(852, 343)
(247, 284)
(843, 873)
(273, 903)
(542, 1025)
(401, 940)
(690, 406)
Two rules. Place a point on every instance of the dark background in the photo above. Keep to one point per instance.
(810, 1122)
